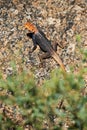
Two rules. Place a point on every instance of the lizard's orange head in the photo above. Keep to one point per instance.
(30, 27)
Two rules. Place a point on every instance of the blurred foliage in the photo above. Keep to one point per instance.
(78, 38)
(58, 104)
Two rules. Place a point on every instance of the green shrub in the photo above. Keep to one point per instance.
(57, 102)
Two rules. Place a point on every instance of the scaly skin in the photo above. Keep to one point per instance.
(43, 43)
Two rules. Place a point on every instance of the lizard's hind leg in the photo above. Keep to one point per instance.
(54, 45)
(42, 57)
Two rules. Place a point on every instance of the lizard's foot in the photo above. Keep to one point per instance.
(42, 65)
(42, 59)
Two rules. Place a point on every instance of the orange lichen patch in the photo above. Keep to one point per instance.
(31, 27)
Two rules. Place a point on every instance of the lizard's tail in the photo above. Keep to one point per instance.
(58, 60)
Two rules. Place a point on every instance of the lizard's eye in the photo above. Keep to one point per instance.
(33, 29)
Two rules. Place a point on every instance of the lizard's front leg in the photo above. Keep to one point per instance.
(31, 35)
(34, 48)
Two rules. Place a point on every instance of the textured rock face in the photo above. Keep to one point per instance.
(62, 21)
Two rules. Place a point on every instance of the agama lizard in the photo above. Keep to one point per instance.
(43, 43)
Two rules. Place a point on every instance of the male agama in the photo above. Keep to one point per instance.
(45, 45)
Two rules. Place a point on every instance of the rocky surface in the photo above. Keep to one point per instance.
(63, 21)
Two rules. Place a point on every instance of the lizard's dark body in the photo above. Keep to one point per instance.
(39, 39)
